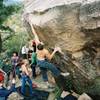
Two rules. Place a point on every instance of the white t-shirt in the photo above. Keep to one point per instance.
(25, 50)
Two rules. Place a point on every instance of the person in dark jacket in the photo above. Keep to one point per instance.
(4, 92)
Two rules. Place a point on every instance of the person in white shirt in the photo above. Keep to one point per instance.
(24, 52)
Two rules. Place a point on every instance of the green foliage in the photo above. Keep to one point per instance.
(1, 63)
(1, 3)
(14, 44)
(7, 11)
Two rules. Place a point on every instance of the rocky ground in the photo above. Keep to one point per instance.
(41, 87)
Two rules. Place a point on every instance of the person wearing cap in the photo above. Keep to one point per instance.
(4, 92)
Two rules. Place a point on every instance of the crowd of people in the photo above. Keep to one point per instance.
(21, 66)
(31, 56)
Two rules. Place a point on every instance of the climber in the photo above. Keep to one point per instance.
(34, 60)
(4, 93)
(25, 76)
(42, 55)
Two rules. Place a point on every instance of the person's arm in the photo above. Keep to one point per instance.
(35, 34)
(50, 56)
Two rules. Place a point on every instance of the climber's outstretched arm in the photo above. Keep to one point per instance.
(35, 34)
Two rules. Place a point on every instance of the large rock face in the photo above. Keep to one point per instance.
(75, 27)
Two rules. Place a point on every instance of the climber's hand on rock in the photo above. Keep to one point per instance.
(42, 43)
(57, 49)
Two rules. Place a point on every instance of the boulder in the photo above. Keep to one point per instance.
(75, 27)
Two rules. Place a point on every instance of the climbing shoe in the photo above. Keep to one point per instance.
(65, 74)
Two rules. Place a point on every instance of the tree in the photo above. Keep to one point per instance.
(5, 12)
(1, 3)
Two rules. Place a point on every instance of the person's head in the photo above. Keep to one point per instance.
(34, 46)
(25, 62)
(33, 43)
(15, 54)
(1, 77)
(40, 46)
(30, 53)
